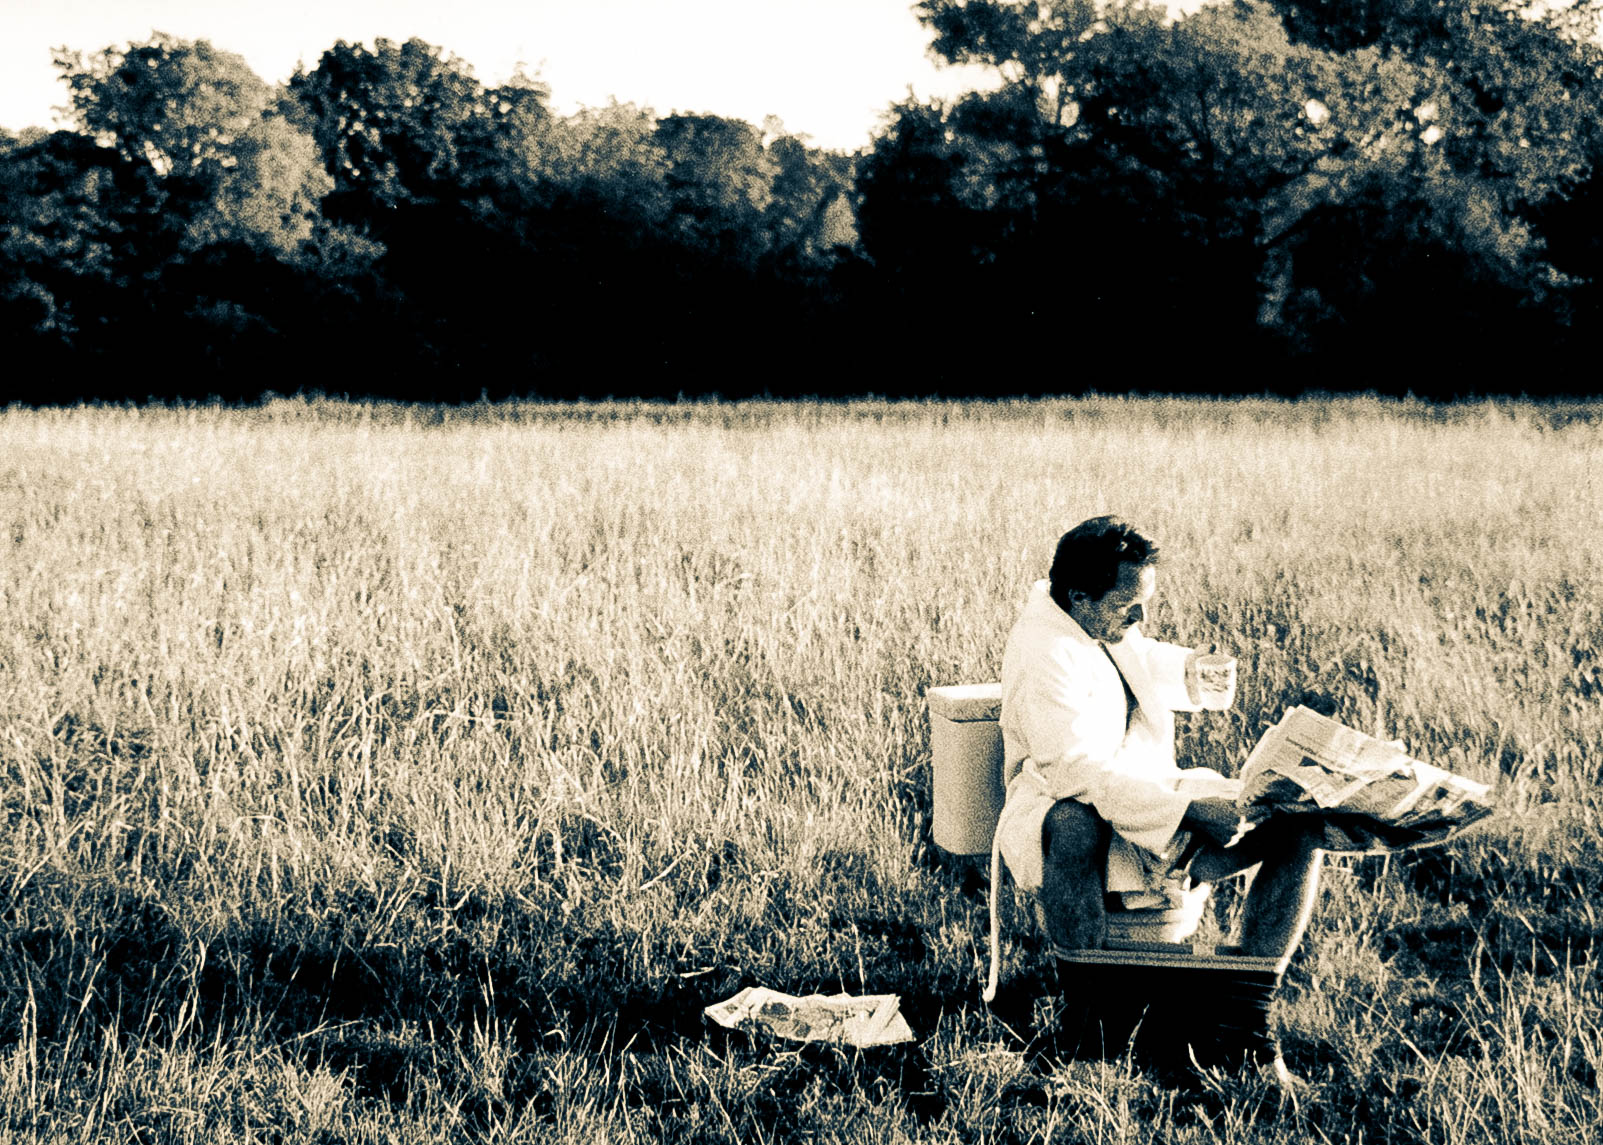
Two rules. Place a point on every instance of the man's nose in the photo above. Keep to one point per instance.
(1137, 615)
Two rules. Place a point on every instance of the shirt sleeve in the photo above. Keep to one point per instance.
(1164, 665)
(1134, 790)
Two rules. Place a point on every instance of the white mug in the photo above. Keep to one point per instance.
(1216, 681)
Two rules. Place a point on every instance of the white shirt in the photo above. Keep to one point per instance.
(1064, 735)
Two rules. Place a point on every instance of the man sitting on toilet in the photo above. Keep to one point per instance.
(1097, 809)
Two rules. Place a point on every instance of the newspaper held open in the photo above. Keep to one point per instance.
(1370, 793)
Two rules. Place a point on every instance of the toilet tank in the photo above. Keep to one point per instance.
(966, 759)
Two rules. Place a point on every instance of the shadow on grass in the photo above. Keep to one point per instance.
(1488, 910)
(388, 1013)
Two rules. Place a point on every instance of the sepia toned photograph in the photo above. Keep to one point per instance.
(965, 571)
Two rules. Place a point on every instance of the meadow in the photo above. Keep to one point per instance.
(389, 774)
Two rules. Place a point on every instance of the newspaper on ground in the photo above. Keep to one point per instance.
(1371, 795)
(853, 1020)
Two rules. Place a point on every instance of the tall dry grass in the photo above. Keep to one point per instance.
(376, 773)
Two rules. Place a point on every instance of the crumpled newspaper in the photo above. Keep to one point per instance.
(866, 1020)
(1371, 795)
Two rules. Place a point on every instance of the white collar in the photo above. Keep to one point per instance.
(1048, 613)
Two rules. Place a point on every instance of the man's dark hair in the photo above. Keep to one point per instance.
(1089, 555)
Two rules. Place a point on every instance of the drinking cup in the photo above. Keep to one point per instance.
(1216, 681)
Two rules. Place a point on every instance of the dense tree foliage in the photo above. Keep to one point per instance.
(1327, 187)
(1263, 194)
(384, 223)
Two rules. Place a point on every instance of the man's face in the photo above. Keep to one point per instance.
(1122, 607)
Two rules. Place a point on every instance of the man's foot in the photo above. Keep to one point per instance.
(1283, 1090)
(1286, 1085)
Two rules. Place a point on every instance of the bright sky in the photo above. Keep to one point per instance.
(827, 68)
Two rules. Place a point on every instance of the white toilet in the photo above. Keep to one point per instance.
(966, 757)
(1150, 987)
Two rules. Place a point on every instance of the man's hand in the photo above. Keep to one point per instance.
(1215, 818)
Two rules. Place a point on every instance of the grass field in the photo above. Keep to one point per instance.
(389, 775)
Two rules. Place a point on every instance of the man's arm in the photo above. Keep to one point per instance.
(1171, 670)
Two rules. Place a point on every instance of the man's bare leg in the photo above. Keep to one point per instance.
(1275, 915)
(1075, 841)
(1281, 899)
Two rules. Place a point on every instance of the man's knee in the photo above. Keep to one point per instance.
(1075, 835)
(1283, 841)
(1288, 838)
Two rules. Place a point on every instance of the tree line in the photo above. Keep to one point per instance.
(1392, 194)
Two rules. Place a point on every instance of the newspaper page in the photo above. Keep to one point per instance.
(854, 1020)
(1371, 795)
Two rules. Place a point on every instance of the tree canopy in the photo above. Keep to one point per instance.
(1328, 184)
(1301, 192)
